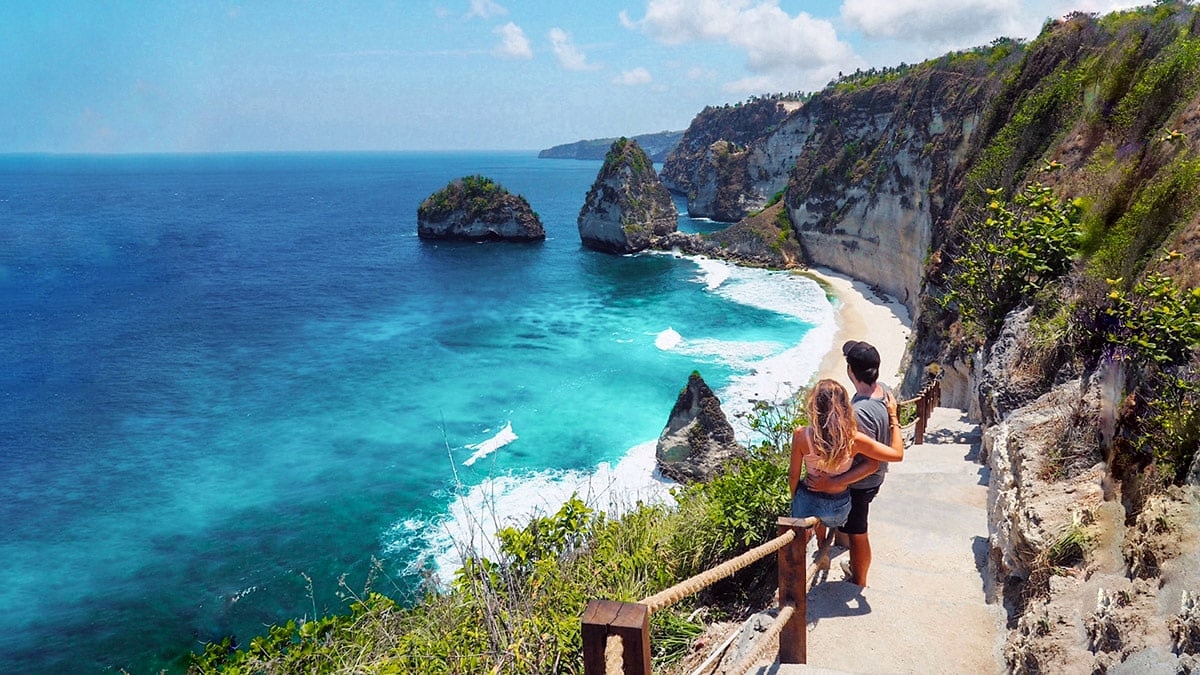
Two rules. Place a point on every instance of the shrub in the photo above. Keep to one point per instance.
(1011, 255)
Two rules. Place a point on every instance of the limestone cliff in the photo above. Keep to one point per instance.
(477, 208)
(627, 205)
(698, 442)
(728, 164)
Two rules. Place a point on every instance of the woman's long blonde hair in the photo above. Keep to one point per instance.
(831, 422)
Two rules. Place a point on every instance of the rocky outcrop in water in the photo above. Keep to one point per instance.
(698, 442)
(627, 206)
(475, 208)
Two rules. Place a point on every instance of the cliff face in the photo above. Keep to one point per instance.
(870, 179)
(627, 206)
(726, 164)
(864, 168)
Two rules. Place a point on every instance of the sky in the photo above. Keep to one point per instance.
(188, 76)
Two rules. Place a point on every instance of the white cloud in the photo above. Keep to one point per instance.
(634, 77)
(568, 55)
(933, 28)
(781, 49)
(963, 23)
(486, 9)
(513, 43)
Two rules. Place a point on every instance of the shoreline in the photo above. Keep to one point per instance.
(858, 313)
(863, 314)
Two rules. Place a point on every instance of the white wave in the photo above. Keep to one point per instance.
(712, 272)
(742, 355)
(777, 377)
(798, 295)
(668, 339)
(472, 519)
(485, 448)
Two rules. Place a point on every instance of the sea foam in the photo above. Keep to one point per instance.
(485, 448)
(474, 516)
(668, 339)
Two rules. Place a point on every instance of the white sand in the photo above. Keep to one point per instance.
(864, 315)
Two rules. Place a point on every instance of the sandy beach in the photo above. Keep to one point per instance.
(864, 315)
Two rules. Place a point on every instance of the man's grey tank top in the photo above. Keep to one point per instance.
(872, 417)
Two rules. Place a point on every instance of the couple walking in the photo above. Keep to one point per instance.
(839, 460)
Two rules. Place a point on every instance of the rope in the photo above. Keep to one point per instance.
(769, 637)
(614, 662)
(808, 580)
(688, 586)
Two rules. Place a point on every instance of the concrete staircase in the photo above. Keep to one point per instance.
(924, 609)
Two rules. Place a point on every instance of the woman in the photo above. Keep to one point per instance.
(827, 446)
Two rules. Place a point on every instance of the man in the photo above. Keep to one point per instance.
(866, 475)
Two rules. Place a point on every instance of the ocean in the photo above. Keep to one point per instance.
(234, 387)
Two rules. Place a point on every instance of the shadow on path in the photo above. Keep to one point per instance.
(829, 599)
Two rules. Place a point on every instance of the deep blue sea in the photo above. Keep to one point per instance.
(229, 381)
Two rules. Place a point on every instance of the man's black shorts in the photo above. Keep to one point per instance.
(860, 506)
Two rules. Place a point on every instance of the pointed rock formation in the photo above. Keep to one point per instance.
(698, 442)
(628, 206)
(476, 208)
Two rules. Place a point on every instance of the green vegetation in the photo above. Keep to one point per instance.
(1122, 248)
(1011, 255)
(521, 612)
(1156, 323)
(476, 194)
(625, 150)
(1155, 328)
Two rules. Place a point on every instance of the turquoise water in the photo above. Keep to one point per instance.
(224, 376)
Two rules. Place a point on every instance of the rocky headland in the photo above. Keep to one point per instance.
(627, 206)
(657, 146)
(476, 208)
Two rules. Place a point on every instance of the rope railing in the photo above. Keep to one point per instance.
(927, 399)
(616, 635)
(765, 640)
(674, 594)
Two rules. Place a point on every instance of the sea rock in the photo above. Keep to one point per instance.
(475, 208)
(698, 442)
(628, 206)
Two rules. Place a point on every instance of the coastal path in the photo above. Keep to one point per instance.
(924, 609)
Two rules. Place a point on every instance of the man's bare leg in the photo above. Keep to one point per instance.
(860, 557)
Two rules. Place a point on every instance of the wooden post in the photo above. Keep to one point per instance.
(631, 621)
(793, 582)
(922, 414)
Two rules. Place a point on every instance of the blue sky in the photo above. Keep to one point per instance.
(105, 76)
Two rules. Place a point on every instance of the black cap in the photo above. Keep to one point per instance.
(861, 355)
